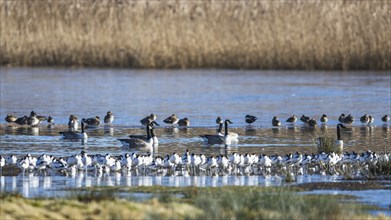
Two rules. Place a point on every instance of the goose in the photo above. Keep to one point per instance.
(173, 119)
(138, 142)
(10, 118)
(147, 120)
(73, 123)
(215, 139)
(304, 119)
(338, 145)
(250, 119)
(74, 134)
(292, 119)
(385, 118)
(275, 121)
(93, 122)
(324, 119)
(349, 119)
(364, 119)
(227, 138)
(145, 137)
(312, 122)
(339, 141)
(109, 118)
(184, 122)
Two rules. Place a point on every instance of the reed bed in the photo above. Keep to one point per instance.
(246, 34)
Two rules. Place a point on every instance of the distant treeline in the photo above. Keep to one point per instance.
(247, 34)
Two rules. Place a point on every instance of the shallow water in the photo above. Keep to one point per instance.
(32, 186)
(283, 140)
(379, 197)
(200, 95)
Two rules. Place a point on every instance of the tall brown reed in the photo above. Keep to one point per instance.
(251, 34)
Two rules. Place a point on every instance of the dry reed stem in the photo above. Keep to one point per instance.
(248, 34)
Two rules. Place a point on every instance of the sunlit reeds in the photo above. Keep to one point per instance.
(250, 34)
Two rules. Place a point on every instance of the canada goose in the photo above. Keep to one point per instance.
(312, 122)
(145, 137)
(250, 119)
(173, 119)
(184, 122)
(342, 118)
(324, 119)
(139, 143)
(148, 120)
(227, 138)
(92, 121)
(73, 123)
(364, 119)
(275, 121)
(75, 134)
(385, 118)
(339, 141)
(109, 118)
(304, 119)
(10, 118)
(292, 119)
(349, 119)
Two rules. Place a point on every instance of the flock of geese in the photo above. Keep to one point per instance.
(149, 139)
(235, 164)
(196, 165)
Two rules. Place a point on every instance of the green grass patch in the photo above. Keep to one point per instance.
(231, 202)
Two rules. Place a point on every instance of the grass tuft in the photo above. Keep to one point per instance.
(92, 196)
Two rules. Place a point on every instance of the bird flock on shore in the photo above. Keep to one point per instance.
(198, 164)
(35, 120)
(192, 164)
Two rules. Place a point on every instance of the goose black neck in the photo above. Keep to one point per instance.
(339, 132)
(152, 132)
(220, 127)
(226, 128)
(148, 132)
(82, 127)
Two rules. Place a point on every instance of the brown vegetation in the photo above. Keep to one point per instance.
(249, 34)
